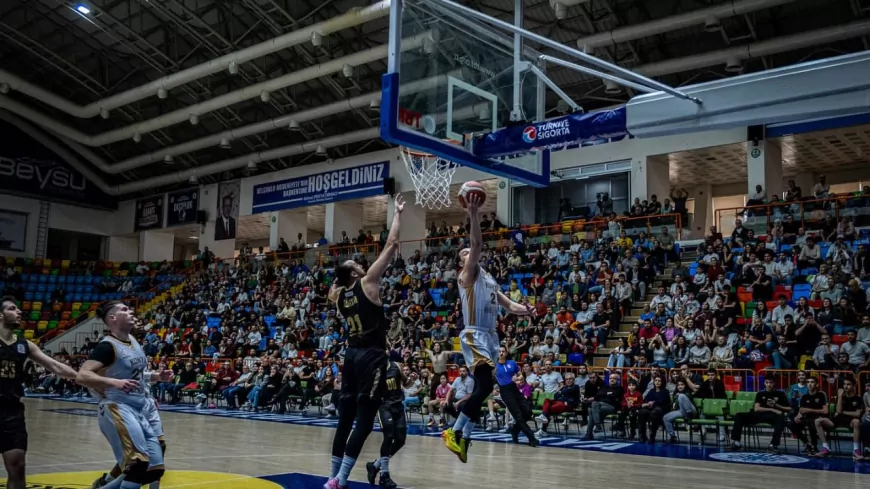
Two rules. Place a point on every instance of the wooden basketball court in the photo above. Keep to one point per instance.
(210, 449)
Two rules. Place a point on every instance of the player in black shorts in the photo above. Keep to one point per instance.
(850, 406)
(356, 292)
(14, 352)
(813, 405)
(391, 416)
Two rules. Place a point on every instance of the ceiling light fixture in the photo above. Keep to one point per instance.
(83, 9)
(294, 125)
(611, 88)
(168, 159)
(225, 143)
(320, 151)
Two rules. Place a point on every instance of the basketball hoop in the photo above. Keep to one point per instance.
(431, 176)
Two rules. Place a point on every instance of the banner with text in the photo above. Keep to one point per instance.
(552, 133)
(183, 207)
(29, 169)
(322, 188)
(149, 213)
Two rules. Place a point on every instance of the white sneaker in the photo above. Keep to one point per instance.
(199, 406)
(506, 429)
(490, 417)
(540, 434)
(565, 422)
(331, 407)
(542, 418)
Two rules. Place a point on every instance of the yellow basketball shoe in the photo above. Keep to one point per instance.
(449, 437)
(464, 445)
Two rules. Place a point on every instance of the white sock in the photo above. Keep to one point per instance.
(467, 429)
(460, 423)
(856, 445)
(825, 446)
(384, 465)
(335, 466)
(347, 464)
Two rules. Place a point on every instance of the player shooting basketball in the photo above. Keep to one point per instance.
(481, 297)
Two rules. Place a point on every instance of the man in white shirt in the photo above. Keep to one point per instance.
(549, 347)
(777, 316)
(460, 392)
(551, 381)
(661, 298)
(783, 270)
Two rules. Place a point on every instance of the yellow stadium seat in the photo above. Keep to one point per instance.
(28, 334)
(456, 344)
(92, 313)
(64, 264)
(76, 306)
(37, 306)
(42, 325)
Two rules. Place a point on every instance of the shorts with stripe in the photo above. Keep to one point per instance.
(479, 346)
(130, 434)
(152, 415)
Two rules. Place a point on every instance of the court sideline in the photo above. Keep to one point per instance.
(228, 453)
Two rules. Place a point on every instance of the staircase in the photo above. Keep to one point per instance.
(601, 355)
(42, 228)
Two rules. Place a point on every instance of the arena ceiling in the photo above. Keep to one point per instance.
(119, 45)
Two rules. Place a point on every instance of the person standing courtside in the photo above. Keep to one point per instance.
(505, 371)
(356, 292)
(14, 353)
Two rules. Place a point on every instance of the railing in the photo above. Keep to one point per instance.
(806, 212)
(827, 379)
(560, 233)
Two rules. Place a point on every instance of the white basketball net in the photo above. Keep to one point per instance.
(431, 176)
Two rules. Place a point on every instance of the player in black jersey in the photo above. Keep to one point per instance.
(356, 292)
(848, 413)
(14, 352)
(813, 405)
(391, 416)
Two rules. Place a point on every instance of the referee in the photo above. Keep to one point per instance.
(513, 399)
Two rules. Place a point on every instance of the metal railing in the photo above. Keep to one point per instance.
(806, 212)
(562, 233)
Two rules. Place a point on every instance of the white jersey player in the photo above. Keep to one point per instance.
(115, 375)
(152, 416)
(481, 299)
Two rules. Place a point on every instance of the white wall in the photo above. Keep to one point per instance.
(68, 218)
(31, 208)
(123, 248)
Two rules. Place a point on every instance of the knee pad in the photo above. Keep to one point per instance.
(137, 472)
(154, 475)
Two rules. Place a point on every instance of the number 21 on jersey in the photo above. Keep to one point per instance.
(354, 325)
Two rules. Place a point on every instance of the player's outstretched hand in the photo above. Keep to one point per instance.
(472, 203)
(126, 385)
(400, 203)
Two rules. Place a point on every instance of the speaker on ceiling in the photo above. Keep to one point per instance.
(390, 186)
(755, 133)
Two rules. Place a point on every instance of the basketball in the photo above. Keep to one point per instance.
(471, 188)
